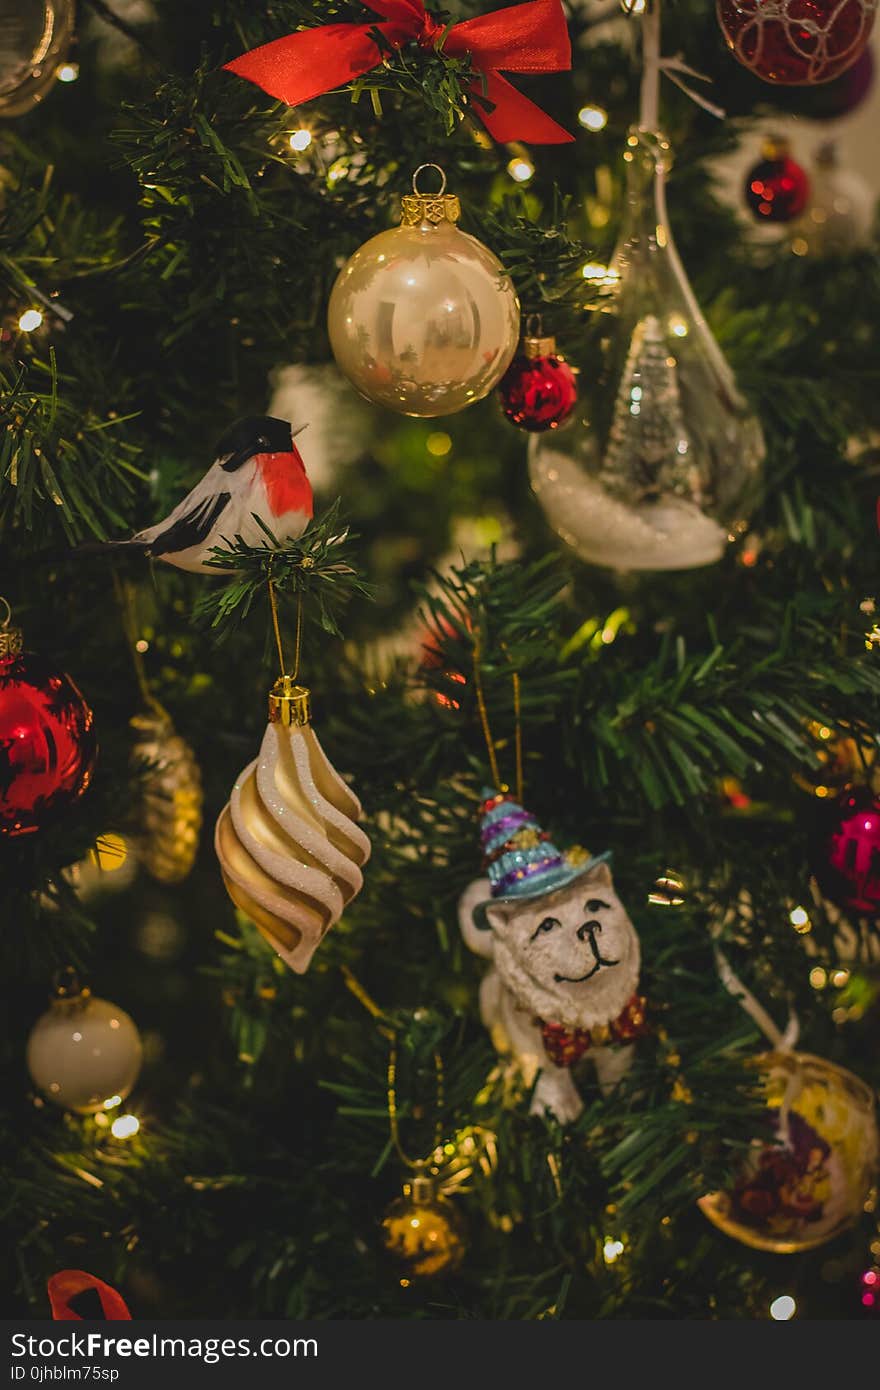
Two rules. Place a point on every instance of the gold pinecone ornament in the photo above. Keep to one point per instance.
(170, 819)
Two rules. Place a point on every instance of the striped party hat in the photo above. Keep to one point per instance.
(521, 860)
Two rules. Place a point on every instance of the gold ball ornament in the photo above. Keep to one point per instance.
(424, 319)
(171, 798)
(423, 1230)
(34, 37)
(811, 1183)
(84, 1052)
(840, 759)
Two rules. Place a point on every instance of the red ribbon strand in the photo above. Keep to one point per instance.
(522, 38)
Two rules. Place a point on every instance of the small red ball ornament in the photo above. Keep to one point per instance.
(797, 42)
(47, 738)
(846, 862)
(539, 389)
(777, 188)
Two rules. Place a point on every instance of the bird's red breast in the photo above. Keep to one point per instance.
(76, 1296)
(287, 487)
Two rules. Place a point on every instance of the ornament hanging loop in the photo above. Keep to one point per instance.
(10, 637)
(289, 702)
(423, 193)
(276, 627)
(66, 987)
(417, 1165)
(425, 210)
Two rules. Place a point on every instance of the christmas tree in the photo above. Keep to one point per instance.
(523, 962)
(648, 443)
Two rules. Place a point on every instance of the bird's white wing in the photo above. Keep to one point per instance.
(214, 484)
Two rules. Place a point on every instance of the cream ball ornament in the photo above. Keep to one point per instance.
(83, 1052)
(423, 318)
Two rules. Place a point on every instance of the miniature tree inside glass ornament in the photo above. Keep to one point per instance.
(663, 473)
(424, 319)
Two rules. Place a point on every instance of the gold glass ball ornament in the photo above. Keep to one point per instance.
(809, 1176)
(423, 318)
(83, 1053)
(34, 37)
(171, 798)
(841, 758)
(423, 1230)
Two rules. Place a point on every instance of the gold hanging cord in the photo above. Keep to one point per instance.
(484, 721)
(393, 1117)
(273, 605)
(126, 598)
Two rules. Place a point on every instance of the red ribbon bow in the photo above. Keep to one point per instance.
(76, 1296)
(522, 38)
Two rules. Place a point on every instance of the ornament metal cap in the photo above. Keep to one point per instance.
(290, 704)
(421, 1189)
(537, 343)
(10, 637)
(418, 207)
(67, 992)
(540, 347)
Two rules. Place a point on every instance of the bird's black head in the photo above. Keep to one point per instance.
(258, 434)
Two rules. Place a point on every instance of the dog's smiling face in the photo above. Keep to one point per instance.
(571, 955)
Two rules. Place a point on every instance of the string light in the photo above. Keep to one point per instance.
(612, 1250)
(300, 140)
(783, 1308)
(818, 977)
(668, 890)
(68, 72)
(125, 1127)
(800, 920)
(633, 6)
(593, 118)
(30, 319)
(520, 169)
(599, 274)
(438, 444)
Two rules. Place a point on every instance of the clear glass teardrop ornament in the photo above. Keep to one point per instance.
(663, 472)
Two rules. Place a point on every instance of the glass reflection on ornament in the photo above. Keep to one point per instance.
(423, 318)
(663, 473)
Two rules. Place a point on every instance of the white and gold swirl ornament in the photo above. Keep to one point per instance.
(289, 847)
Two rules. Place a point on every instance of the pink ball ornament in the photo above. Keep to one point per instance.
(846, 859)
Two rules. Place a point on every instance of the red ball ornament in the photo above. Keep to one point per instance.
(47, 738)
(846, 861)
(777, 188)
(539, 389)
(797, 42)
